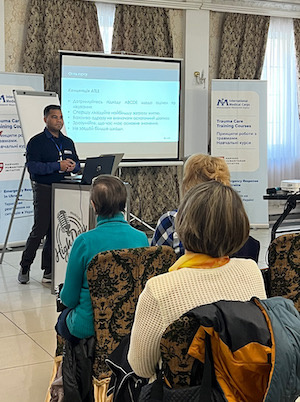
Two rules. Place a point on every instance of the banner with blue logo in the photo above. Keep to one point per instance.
(12, 159)
(239, 135)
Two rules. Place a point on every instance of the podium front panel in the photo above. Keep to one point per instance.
(72, 215)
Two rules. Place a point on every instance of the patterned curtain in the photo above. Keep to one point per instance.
(243, 46)
(146, 31)
(142, 30)
(297, 47)
(54, 25)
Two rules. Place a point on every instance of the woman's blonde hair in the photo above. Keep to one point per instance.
(211, 219)
(200, 168)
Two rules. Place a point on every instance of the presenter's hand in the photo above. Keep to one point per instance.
(67, 165)
(73, 165)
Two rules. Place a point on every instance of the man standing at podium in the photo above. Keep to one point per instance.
(50, 156)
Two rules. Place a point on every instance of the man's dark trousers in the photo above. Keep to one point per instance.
(41, 228)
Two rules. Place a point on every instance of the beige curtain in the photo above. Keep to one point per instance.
(154, 190)
(243, 46)
(54, 25)
(297, 47)
(297, 41)
(142, 30)
(146, 31)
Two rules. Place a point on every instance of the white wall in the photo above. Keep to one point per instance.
(196, 55)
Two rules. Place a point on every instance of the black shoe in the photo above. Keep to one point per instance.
(23, 276)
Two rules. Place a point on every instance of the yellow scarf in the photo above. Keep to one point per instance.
(195, 260)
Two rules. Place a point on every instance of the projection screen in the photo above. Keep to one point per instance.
(122, 104)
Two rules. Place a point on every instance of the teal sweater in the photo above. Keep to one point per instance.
(110, 234)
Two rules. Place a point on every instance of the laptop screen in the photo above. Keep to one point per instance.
(96, 166)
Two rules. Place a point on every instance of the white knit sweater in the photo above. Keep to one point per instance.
(166, 297)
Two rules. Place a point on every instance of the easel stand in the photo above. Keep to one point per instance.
(130, 217)
(135, 218)
(12, 215)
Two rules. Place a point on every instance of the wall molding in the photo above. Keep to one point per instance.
(274, 8)
(176, 4)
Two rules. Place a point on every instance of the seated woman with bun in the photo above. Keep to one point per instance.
(212, 224)
(198, 168)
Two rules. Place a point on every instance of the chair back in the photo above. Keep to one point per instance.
(249, 250)
(174, 346)
(240, 345)
(116, 278)
(284, 267)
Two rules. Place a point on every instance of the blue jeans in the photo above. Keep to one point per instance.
(62, 328)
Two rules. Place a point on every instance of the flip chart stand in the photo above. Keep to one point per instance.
(28, 103)
(13, 215)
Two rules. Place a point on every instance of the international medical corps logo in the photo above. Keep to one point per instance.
(68, 227)
(1, 166)
(7, 100)
(222, 102)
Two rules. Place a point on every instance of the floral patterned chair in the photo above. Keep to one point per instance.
(116, 279)
(284, 267)
(174, 346)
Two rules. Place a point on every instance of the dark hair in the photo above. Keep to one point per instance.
(50, 107)
(211, 219)
(108, 194)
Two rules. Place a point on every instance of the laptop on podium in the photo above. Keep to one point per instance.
(104, 164)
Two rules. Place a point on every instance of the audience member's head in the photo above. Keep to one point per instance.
(211, 219)
(108, 195)
(201, 168)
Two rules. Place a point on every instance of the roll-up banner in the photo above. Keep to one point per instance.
(12, 159)
(239, 135)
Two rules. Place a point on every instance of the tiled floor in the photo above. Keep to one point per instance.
(264, 236)
(27, 346)
(27, 319)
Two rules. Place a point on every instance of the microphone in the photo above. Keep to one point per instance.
(63, 221)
